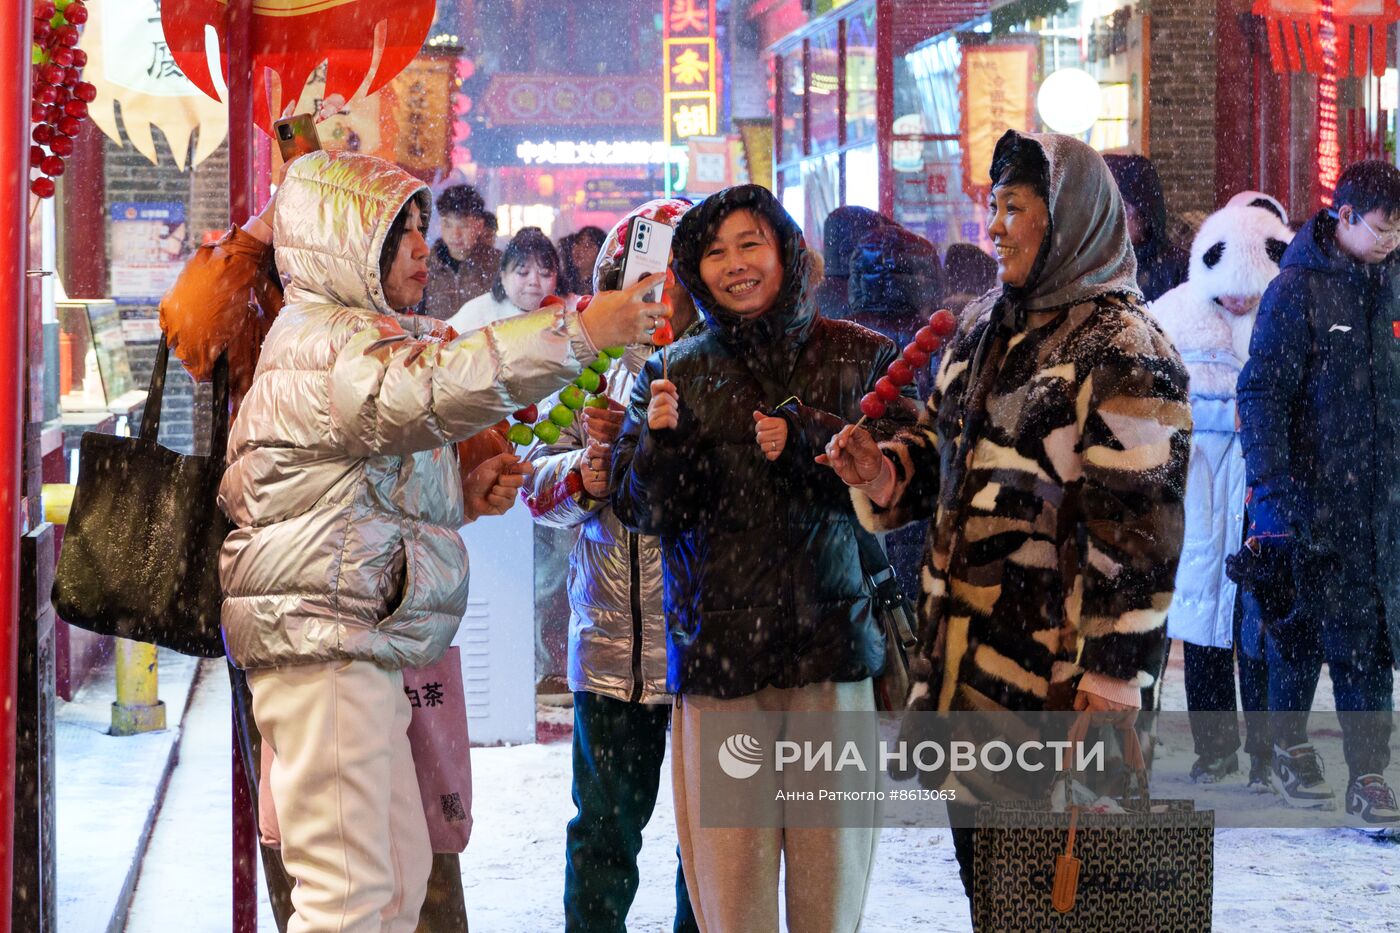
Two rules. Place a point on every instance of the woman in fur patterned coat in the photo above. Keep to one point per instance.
(1051, 457)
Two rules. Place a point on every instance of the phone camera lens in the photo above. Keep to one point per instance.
(284, 132)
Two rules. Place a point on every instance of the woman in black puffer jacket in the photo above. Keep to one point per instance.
(766, 604)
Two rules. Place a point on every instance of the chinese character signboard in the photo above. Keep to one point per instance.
(133, 70)
(690, 79)
(996, 87)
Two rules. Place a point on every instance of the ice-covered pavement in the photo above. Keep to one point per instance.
(1279, 881)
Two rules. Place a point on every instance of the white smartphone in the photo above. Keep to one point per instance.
(648, 252)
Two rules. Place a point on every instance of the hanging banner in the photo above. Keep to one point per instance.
(996, 85)
(1294, 30)
(757, 138)
(364, 44)
(133, 70)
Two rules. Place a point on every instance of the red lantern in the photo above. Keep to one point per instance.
(79, 58)
(76, 108)
(51, 165)
(42, 133)
(69, 126)
(43, 187)
(85, 91)
(62, 145)
(75, 13)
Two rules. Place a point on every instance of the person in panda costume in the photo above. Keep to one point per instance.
(1210, 317)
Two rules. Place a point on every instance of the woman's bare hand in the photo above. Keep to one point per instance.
(854, 455)
(614, 319)
(664, 409)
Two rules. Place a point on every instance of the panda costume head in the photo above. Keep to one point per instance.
(1210, 316)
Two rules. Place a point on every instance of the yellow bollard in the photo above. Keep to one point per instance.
(137, 708)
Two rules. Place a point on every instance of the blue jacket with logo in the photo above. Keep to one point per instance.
(1319, 404)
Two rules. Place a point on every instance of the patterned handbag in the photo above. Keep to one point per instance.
(1148, 868)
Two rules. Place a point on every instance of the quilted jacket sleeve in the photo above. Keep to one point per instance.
(393, 394)
(658, 477)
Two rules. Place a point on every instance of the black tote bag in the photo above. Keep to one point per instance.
(140, 556)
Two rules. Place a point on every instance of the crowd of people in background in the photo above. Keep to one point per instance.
(1214, 448)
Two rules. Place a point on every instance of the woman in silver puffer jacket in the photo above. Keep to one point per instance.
(617, 637)
(346, 565)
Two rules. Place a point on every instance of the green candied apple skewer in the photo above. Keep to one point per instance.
(571, 398)
(589, 380)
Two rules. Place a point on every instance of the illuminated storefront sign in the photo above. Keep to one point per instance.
(690, 80)
(625, 152)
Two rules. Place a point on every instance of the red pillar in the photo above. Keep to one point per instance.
(239, 68)
(884, 102)
(1235, 102)
(83, 220)
(14, 234)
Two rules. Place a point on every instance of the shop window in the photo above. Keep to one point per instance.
(794, 91)
(824, 85)
(821, 189)
(863, 177)
(860, 76)
(792, 195)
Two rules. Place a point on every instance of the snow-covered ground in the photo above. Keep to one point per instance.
(1281, 881)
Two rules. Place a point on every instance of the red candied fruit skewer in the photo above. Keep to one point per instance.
(917, 354)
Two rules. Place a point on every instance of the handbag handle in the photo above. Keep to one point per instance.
(155, 395)
(1133, 757)
(1065, 886)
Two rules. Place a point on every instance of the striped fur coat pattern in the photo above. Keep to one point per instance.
(1056, 554)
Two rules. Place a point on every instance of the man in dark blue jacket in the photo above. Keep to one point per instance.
(1319, 404)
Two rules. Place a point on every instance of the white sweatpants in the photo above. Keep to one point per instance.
(353, 832)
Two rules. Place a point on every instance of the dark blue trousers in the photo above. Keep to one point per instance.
(618, 751)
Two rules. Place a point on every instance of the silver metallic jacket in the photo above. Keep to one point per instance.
(341, 481)
(617, 629)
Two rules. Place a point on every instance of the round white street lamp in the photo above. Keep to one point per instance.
(1069, 101)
